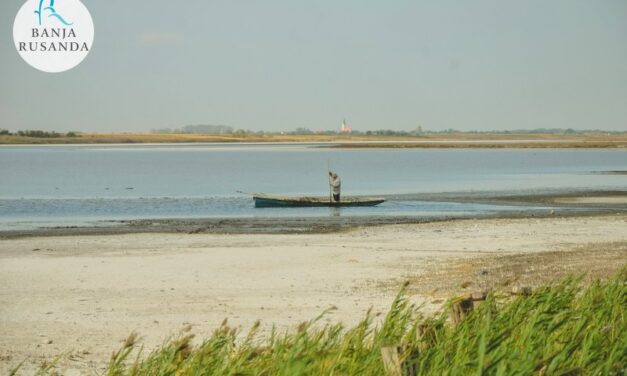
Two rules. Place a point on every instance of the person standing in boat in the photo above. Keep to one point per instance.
(336, 183)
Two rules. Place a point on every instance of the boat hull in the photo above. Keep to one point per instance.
(266, 201)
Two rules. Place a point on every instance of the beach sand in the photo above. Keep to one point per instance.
(612, 200)
(82, 295)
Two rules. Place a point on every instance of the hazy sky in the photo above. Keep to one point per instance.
(279, 65)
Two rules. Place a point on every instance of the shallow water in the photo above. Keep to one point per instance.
(61, 185)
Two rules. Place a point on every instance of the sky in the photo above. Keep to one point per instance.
(280, 65)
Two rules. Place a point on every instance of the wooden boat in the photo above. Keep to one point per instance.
(271, 201)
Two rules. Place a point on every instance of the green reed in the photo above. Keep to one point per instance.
(561, 329)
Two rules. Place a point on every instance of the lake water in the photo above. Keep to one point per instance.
(68, 185)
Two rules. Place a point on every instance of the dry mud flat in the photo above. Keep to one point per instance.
(82, 295)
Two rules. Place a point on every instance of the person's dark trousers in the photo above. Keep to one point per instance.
(336, 198)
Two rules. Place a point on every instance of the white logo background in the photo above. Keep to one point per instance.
(74, 12)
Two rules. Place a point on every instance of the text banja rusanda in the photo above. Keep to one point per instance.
(53, 39)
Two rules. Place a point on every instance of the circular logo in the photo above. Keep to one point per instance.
(53, 35)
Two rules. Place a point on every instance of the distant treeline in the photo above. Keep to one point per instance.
(545, 131)
(197, 129)
(36, 133)
(380, 132)
(420, 132)
(225, 129)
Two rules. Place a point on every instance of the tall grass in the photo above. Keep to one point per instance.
(560, 329)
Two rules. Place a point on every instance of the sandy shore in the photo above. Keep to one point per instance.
(594, 200)
(85, 294)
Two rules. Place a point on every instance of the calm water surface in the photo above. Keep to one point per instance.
(65, 185)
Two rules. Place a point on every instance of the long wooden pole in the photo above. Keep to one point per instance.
(329, 179)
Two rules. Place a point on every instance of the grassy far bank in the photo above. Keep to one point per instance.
(138, 138)
(455, 139)
(560, 329)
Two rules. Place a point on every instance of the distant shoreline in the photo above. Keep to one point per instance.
(454, 140)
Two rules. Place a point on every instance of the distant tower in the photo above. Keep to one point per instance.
(345, 128)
